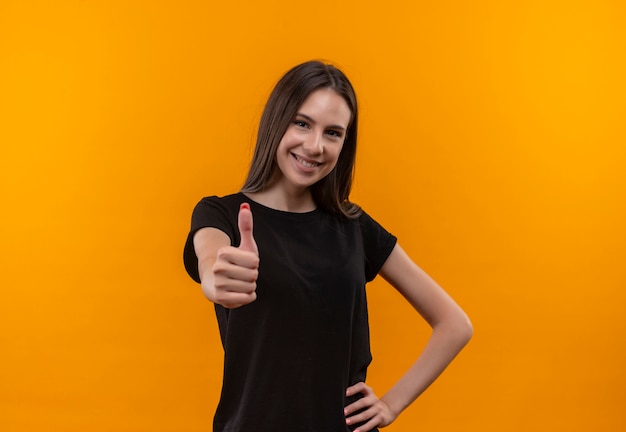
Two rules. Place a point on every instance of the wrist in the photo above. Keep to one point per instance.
(393, 408)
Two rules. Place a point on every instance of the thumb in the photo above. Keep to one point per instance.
(245, 229)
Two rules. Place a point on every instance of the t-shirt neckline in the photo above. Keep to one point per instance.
(258, 206)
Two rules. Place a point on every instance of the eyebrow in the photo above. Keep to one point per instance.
(314, 122)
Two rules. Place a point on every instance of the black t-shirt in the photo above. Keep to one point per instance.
(291, 354)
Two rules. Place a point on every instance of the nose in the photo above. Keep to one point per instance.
(314, 144)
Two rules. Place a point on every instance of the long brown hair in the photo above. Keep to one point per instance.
(332, 192)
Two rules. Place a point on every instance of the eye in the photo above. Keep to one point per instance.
(301, 123)
(334, 133)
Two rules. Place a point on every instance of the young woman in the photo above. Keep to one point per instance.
(289, 293)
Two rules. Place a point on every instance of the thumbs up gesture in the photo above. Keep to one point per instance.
(236, 269)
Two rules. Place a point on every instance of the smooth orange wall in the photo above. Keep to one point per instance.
(492, 143)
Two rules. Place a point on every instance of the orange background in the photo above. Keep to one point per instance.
(493, 143)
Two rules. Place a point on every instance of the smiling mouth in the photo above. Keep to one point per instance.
(305, 163)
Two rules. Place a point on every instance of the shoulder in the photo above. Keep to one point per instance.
(368, 223)
(362, 221)
(372, 233)
(217, 212)
(225, 205)
(225, 201)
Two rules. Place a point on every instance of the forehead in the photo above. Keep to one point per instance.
(326, 105)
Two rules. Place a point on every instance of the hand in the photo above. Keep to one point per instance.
(236, 269)
(375, 412)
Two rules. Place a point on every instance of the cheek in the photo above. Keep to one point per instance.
(335, 159)
(337, 151)
(283, 145)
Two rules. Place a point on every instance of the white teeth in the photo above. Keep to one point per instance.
(306, 163)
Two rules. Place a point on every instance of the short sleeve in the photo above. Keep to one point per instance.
(377, 243)
(210, 212)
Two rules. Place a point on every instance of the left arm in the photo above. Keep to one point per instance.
(451, 331)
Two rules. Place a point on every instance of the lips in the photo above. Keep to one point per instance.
(307, 163)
